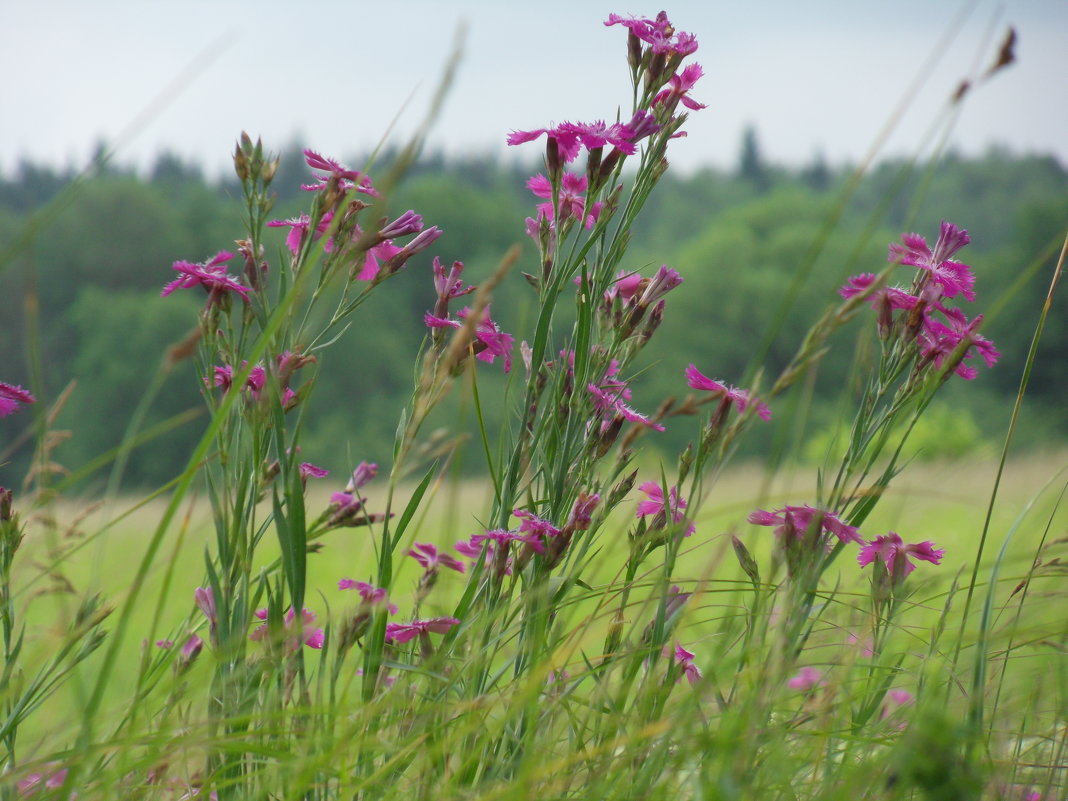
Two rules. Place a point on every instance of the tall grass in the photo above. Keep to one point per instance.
(594, 634)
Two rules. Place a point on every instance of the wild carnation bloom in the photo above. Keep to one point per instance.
(308, 470)
(938, 340)
(503, 536)
(739, 398)
(890, 548)
(572, 204)
(659, 34)
(346, 178)
(473, 550)
(533, 524)
(684, 659)
(298, 229)
(659, 285)
(428, 555)
(311, 637)
(654, 504)
(450, 285)
(492, 341)
(571, 137)
(363, 473)
(211, 275)
(403, 632)
(680, 85)
(370, 594)
(952, 276)
(808, 678)
(794, 521)
(610, 404)
(11, 397)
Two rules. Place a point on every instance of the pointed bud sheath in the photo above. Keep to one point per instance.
(6, 501)
(593, 170)
(746, 560)
(270, 169)
(885, 316)
(685, 463)
(653, 323)
(634, 51)
(608, 436)
(620, 490)
(553, 164)
(241, 166)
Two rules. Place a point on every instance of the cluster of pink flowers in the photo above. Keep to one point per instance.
(795, 525)
(937, 329)
(11, 397)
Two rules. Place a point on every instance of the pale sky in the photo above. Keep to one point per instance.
(811, 75)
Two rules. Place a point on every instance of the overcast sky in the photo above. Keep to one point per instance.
(811, 75)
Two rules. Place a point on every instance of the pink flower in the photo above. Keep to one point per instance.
(659, 285)
(205, 600)
(346, 178)
(680, 85)
(427, 554)
(491, 340)
(938, 340)
(370, 594)
(307, 469)
(572, 136)
(795, 521)
(400, 633)
(363, 473)
(10, 398)
(684, 659)
(474, 550)
(731, 395)
(572, 204)
(582, 511)
(890, 548)
(503, 536)
(298, 229)
(659, 34)
(311, 637)
(451, 285)
(808, 678)
(611, 405)
(894, 297)
(533, 524)
(211, 275)
(654, 504)
(51, 779)
(626, 286)
(952, 276)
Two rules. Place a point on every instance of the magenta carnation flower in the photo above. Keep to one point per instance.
(211, 275)
(739, 398)
(658, 33)
(890, 548)
(403, 632)
(428, 555)
(806, 679)
(311, 637)
(11, 397)
(654, 504)
(795, 521)
(370, 594)
(952, 276)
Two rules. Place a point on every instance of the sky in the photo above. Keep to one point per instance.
(812, 76)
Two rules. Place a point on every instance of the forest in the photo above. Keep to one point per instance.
(762, 250)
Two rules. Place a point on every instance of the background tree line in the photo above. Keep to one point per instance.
(97, 258)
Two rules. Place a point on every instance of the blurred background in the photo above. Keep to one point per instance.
(145, 101)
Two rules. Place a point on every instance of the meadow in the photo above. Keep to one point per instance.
(583, 617)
